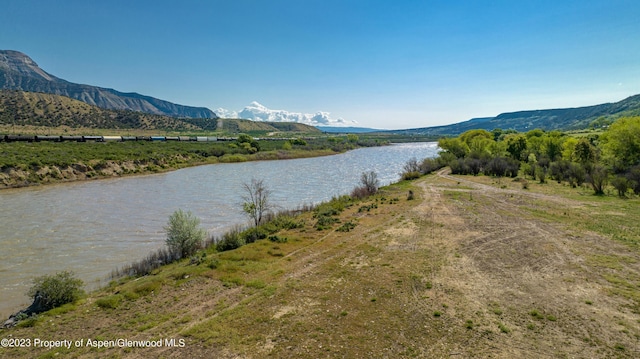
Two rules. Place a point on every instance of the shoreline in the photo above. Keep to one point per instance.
(16, 178)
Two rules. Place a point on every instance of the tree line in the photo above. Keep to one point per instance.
(611, 158)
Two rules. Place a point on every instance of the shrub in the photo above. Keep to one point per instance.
(346, 227)
(253, 234)
(110, 302)
(278, 239)
(183, 235)
(325, 222)
(406, 176)
(577, 175)
(360, 192)
(621, 184)
(230, 240)
(52, 291)
(634, 179)
(598, 178)
(429, 165)
(147, 265)
(412, 165)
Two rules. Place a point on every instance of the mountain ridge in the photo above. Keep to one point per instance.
(562, 119)
(19, 72)
(20, 108)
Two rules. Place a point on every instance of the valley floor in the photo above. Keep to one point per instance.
(470, 268)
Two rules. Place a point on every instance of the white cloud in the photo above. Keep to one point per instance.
(257, 112)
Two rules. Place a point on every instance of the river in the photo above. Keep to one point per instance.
(95, 226)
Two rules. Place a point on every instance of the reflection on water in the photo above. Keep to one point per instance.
(94, 227)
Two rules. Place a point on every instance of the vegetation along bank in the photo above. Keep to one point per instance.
(24, 163)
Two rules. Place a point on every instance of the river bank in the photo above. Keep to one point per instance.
(470, 267)
(35, 173)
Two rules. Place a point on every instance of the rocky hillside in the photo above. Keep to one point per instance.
(19, 72)
(40, 109)
(19, 108)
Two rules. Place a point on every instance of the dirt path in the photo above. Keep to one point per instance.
(531, 277)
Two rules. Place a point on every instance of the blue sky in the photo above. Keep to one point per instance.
(384, 64)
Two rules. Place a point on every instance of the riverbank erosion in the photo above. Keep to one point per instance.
(471, 267)
(37, 173)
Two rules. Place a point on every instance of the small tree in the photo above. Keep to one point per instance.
(256, 200)
(51, 291)
(598, 177)
(370, 181)
(621, 184)
(184, 237)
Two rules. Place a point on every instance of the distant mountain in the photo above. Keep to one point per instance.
(19, 72)
(258, 112)
(19, 108)
(563, 119)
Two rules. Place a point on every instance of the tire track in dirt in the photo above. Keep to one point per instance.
(510, 258)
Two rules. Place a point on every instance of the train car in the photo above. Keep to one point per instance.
(92, 138)
(157, 138)
(184, 138)
(129, 138)
(172, 138)
(40, 138)
(71, 138)
(19, 138)
(143, 138)
(111, 138)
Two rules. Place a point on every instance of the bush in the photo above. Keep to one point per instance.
(621, 184)
(598, 178)
(360, 192)
(147, 265)
(52, 291)
(110, 302)
(230, 240)
(278, 239)
(406, 176)
(183, 235)
(253, 234)
(429, 165)
(634, 179)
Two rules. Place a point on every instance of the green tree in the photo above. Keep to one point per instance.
(552, 145)
(247, 142)
(51, 291)
(454, 146)
(257, 201)
(584, 152)
(184, 236)
(516, 146)
(621, 143)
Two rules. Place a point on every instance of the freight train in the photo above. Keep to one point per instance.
(41, 138)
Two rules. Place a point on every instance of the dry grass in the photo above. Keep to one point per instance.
(467, 269)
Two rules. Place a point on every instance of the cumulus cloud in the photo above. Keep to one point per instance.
(257, 112)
